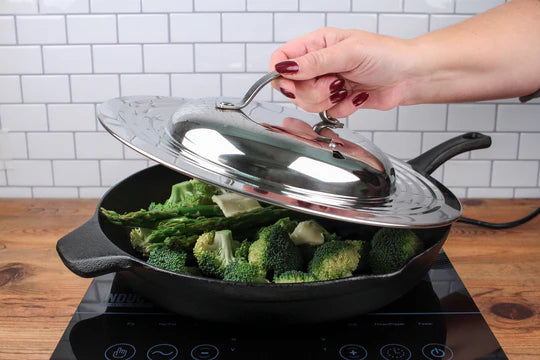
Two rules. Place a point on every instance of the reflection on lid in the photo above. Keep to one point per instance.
(209, 144)
(322, 171)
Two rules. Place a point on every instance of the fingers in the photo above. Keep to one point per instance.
(356, 100)
(314, 95)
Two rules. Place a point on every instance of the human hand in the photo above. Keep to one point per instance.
(342, 70)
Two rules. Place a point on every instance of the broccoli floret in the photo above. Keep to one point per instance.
(331, 237)
(168, 259)
(392, 248)
(334, 260)
(242, 251)
(138, 237)
(240, 270)
(294, 276)
(214, 251)
(187, 194)
(274, 250)
(363, 250)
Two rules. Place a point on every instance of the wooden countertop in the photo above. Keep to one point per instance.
(38, 295)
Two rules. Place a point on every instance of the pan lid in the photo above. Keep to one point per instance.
(280, 155)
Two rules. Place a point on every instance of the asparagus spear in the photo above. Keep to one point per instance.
(185, 227)
(149, 218)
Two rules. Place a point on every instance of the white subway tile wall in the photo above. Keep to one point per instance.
(60, 59)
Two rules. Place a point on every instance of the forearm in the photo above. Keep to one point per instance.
(490, 56)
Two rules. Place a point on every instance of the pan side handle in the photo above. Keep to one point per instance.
(88, 252)
(429, 161)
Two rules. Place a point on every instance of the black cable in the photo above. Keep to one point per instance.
(506, 225)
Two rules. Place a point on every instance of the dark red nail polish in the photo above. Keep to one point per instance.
(288, 94)
(360, 99)
(287, 67)
(338, 96)
(336, 85)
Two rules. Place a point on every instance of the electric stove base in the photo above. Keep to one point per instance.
(437, 320)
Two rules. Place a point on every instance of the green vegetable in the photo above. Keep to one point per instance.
(294, 276)
(168, 259)
(233, 203)
(214, 251)
(308, 232)
(243, 250)
(138, 238)
(363, 251)
(243, 271)
(188, 194)
(149, 218)
(274, 250)
(391, 249)
(334, 260)
(187, 226)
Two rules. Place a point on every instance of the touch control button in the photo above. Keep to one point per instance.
(353, 352)
(437, 352)
(395, 352)
(121, 351)
(162, 352)
(204, 352)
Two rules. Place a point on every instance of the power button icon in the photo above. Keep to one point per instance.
(437, 352)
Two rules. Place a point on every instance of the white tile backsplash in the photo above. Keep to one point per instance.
(325, 5)
(529, 146)
(196, 85)
(117, 58)
(288, 26)
(43, 29)
(522, 117)
(166, 5)
(39, 145)
(29, 173)
(429, 6)
(60, 58)
(168, 58)
(195, 27)
(94, 88)
(88, 29)
(63, 6)
(70, 59)
(76, 172)
(156, 84)
(368, 119)
(23, 117)
(403, 26)
(18, 6)
(10, 89)
(97, 146)
(247, 27)
(378, 5)
(219, 57)
(366, 22)
(471, 117)
(7, 30)
(144, 28)
(422, 117)
(20, 60)
(71, 117)
(515, 173)
(116, 6)
(274, 5)
(476, 6)
(220, 5)
(45, 88)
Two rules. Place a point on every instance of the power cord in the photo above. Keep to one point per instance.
(506, 225)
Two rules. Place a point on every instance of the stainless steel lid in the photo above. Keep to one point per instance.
(279, 155)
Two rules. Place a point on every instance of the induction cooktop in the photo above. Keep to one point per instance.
(436, 320)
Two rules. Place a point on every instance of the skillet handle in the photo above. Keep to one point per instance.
(427, 162)
(88, 252)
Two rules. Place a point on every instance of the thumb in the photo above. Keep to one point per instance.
(337, 58)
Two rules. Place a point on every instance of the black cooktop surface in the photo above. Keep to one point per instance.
(436, 320)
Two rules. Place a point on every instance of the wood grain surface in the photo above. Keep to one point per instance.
(38, 295)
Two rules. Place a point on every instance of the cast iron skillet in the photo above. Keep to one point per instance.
(99, 247)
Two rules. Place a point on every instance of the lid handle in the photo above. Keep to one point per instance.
(327, 121)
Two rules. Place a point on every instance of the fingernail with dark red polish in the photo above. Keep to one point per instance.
(338, 96)
(288, 94)
(336, 85)
(287, 67)
(360, 99)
